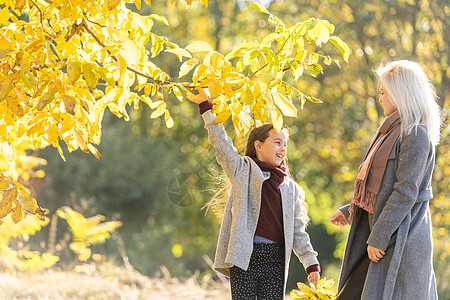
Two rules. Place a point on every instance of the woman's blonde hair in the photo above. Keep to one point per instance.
(218, 202)
(411, 92)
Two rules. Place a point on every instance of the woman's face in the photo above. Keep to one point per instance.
(273, 149)
(385, 101)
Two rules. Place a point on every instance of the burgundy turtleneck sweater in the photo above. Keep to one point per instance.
(270, 222)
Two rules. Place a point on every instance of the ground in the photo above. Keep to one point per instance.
(107, 282)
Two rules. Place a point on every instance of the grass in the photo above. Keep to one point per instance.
(107, 281)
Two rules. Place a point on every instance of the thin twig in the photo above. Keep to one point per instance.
(253, 74)
(40, 16)
(115, 58)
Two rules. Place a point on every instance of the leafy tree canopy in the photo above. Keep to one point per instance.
(64, 62)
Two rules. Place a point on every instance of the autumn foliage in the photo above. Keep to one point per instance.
(62, 63)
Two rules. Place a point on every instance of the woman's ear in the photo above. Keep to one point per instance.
(257, 145)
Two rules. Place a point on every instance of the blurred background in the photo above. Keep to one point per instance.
(156, 180)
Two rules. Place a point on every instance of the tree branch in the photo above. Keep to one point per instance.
(115, 58)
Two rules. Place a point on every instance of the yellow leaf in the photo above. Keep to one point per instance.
(342, 46)
(112, 4)
(7, 151)
(4, 52)
(94, 151)
(204, 2)
(258, 7)
(215, 88)
(157, 46)
(223, 116)
(199, 73)
(4, 182)
(284, 104)
(187, 66)
(46, 98)
(6, 201)
(149, 3)
(4, 15)
(17, 213)
(20, 4)
(169, 120)
(6, 84)
(199, 46)
(276, 117)
(74, 71)
(122, 63)
(160, 109)
(159, 18)
(105, 75)
(138, 4)
(89, 75)
(179, 52)
(131, 52)
(60, 151)
(5, 208)
(69, 104)
(177, 93)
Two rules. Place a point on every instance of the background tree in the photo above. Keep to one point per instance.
(157, 179)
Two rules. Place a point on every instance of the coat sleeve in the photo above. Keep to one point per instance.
(413, 157)
(226, 154)
(302, 245)
(346, 211)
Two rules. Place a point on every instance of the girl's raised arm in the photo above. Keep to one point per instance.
(226, 154)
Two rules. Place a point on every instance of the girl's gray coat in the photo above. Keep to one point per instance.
(401, 226)
(240, 219)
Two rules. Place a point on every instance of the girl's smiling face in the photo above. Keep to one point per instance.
(273, 149)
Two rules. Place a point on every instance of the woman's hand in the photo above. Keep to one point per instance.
(314, 277)
(199, 98)
(338, 219)
(375, 254)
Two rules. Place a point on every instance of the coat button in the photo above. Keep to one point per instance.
(254, 210)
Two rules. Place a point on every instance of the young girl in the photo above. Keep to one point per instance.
(265, 215)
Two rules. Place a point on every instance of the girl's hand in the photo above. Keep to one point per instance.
(375, 254)
(314, 277)
(199, 98)
(338, 219)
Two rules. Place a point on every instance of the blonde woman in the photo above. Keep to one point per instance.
(389, 252)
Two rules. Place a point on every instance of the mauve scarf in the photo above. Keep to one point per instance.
(368, 181)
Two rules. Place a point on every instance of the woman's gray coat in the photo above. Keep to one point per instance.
(401, 226)
(240, 219)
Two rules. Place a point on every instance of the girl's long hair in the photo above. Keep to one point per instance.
(218, 202)
(411, 92)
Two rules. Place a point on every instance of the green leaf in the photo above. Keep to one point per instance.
(157, 46)
(249, 56)
(258, 7)
(315, 69)
(270, 56)
(342, 46)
